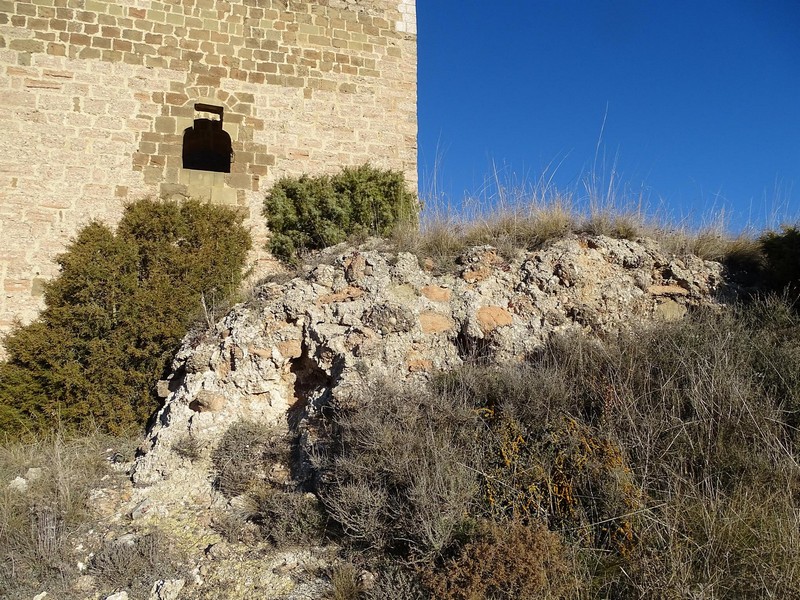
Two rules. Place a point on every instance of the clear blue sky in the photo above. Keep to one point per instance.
(698, 101)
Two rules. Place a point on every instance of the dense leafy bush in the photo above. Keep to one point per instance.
(309, 213)
(116, 314)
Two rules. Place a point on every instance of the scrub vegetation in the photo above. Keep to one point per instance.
(660, 462)
(310, 213)
(529, 222)
(47, 506)
(115, 316)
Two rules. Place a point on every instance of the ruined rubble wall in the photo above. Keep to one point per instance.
(95, 96)
(365, 314)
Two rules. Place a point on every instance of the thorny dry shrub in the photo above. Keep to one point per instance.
(396, 476)
(543, 461)
(665, 458)
(706, 411)
(134, 564)
(395, 582)
(244, 456)
(288, 518)
(188, 447)
(411, 472)
(506, 561)
(38, 524)
(274, 511)
(235, 526)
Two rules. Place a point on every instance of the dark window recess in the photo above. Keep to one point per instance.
(206, 146)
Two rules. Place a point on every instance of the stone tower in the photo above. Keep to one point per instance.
(104, 102)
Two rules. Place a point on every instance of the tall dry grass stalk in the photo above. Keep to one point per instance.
(526, 217)
(39, 519)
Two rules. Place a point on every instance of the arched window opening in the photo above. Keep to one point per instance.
(206, 146)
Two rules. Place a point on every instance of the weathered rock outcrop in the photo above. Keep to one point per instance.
(368, 312)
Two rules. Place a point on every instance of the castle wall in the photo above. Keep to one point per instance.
(95, 97)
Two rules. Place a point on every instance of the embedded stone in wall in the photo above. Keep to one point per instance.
(492, 317)
(433, 322)
(207, 401)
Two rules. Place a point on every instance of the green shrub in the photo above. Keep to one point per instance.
(116, 314)
(309, 213)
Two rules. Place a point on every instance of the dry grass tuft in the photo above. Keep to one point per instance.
(345, 584)
(526, 220)
(38, 523)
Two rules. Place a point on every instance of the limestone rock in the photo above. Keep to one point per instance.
(290, 348)
(168, 589)
(207, 401)
(492, 317)
(19, 485)
(143, 508)
(670, 310)
(667, 290)
(436, 293)
(434, 322)
(33, 473)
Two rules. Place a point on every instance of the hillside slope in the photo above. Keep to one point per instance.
(236, 453)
